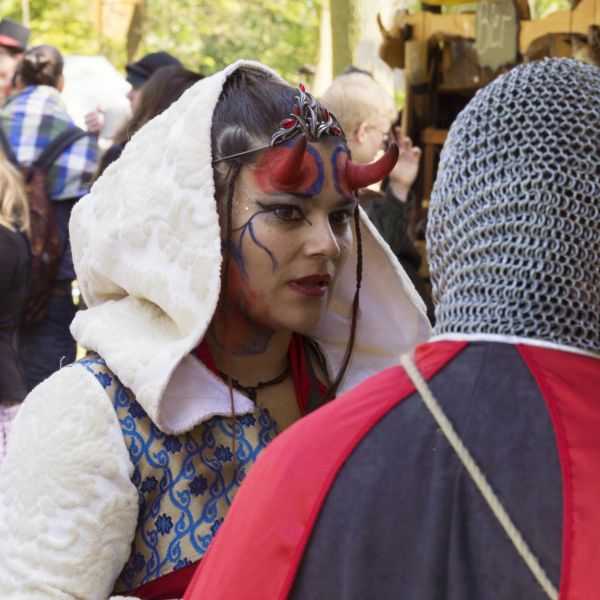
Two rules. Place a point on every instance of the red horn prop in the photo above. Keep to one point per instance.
(287, 171)
(360, 176)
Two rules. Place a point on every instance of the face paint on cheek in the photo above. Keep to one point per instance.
(237, 251)
(246, 336)
(309, 178)
(236, 255)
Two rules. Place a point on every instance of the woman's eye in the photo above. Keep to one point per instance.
(340, 217)
(287, 213)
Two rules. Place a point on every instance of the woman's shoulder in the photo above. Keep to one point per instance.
(66, 464)
(71, 399)
(11, 239)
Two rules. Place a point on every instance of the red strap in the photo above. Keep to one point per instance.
(166, 587)
(258, 549)
(570, 384)
(203, 353)
(302, 379)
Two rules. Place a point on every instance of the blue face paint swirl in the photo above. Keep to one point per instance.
(247, 226)
(334, 168)
(236, 249)
(318, 185)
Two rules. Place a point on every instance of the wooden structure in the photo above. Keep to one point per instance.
(442, 68)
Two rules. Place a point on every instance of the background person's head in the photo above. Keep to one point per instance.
(41, 65)
(13, 41)
(14, 206)
(164, 86)
(514, 221)
(365, 110)
(138, 73)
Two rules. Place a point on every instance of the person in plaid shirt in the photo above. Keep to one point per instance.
(31, 119)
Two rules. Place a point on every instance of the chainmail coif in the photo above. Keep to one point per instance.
(514, 219)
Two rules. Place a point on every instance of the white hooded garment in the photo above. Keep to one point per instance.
(147, 252)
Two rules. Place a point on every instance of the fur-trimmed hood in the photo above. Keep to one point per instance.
(147, 252)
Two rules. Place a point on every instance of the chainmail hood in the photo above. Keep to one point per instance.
(514, 220)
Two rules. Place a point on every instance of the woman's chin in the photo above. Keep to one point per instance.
(303, 323)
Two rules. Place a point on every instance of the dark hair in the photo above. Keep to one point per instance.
(42, 65)
(164, 86)
(250, 108)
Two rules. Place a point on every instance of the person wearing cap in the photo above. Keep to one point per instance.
(138, 74)
(13, 41)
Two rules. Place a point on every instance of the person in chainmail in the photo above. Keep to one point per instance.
(470, 470)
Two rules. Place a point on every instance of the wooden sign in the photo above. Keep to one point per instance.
(496, 33)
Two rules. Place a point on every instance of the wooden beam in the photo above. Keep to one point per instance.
(564, 21)
(426, 25)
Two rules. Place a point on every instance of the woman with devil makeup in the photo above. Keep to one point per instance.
(233, 285)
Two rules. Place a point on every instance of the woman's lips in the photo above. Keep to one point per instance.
(314, 286)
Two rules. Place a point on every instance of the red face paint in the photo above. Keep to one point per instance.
(244, 334)
(310, 173)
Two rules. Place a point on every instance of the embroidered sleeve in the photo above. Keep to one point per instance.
(68, 509)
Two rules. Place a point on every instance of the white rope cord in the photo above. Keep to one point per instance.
(478, 477)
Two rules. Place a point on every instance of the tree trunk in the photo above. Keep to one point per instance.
(344, 29)
(356, 37)
(136, 31)
(324, 73)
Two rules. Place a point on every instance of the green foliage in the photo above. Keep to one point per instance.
(62, 24)
(205, 35)
(545, 7)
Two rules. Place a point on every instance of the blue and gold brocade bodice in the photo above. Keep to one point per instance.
(185, 482)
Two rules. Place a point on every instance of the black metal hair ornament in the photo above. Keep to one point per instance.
(308, 117)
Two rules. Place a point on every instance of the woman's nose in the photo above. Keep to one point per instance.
(321, 240)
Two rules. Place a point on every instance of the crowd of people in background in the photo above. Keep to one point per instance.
(245, 264)
(33, 116)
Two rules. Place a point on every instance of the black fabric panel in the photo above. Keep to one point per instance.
(403, 520)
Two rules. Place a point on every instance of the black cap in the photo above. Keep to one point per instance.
(14, 35)
(139, 72)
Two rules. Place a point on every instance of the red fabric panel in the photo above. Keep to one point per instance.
(166, 587)
(257, 550)
(300, 374)
(570, 384)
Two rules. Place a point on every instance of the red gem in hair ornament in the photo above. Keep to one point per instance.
(307, 117)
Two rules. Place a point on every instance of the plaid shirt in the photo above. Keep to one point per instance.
(31, 120)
